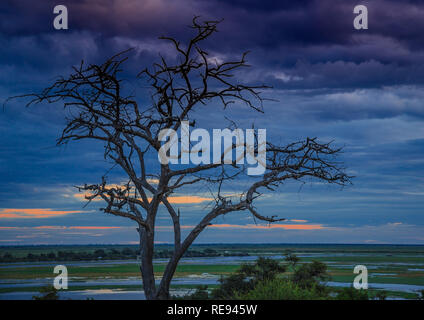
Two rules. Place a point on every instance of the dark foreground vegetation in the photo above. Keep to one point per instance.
(267, 279)
(270, 279)
(394, 268)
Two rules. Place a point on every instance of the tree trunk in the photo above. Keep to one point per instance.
(163, 292)
(146, 267)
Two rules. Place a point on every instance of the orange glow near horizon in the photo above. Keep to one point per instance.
(173, 200)
(219, 226)
(76, 227)
(63, 228)
(92, 228)
(33, 213)
(187, 199)
(254, 226)
(50, 227)
(271, 226)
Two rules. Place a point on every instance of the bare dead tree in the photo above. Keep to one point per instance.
(129, 131)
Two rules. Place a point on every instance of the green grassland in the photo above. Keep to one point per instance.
(114, 271)
(387, 264)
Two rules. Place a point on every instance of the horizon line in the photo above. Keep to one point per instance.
(219, 243)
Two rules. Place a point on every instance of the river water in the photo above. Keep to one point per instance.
(134, 294)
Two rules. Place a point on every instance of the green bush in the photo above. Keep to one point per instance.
(281, 289)
(47, 293)
(201, 293)
(352, 294)
(245, 279)
(380, 295)
(311, 274)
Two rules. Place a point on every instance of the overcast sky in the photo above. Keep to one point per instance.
(361, 88)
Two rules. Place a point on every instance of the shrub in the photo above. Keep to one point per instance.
(281, 289)
(247, 277)
(352, 294)
(311, 275)
(47, 293)
(201, 293)
(380, 295)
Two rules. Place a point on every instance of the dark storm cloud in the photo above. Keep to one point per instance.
(313, 43)
(268, 23)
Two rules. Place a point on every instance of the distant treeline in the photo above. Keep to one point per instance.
(109, 254)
